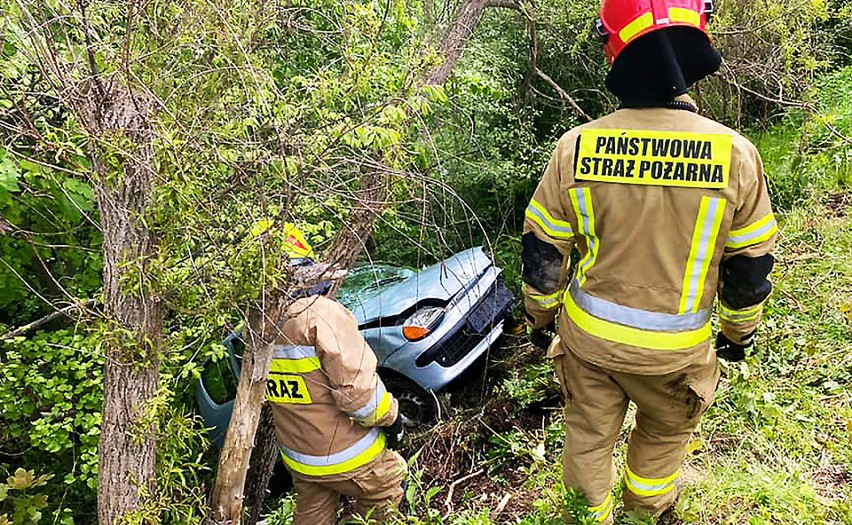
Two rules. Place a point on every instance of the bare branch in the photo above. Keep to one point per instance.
(38, 323)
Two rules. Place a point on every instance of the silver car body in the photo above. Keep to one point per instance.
(459, 284)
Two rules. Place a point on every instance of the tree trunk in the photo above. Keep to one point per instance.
(124, 184)
(262, 462)
(226, 500)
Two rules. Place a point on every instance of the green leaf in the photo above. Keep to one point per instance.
(22, 479)
(8, 174)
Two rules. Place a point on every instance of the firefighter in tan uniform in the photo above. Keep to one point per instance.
(668, 210)
(329, 407)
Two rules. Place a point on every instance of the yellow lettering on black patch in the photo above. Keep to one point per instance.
(656, 158)
(285, 388)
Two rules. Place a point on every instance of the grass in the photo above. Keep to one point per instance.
(776, 446)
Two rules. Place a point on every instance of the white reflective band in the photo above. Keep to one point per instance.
(553, 227)
(754, 233)
(581, 199)
(373, 404)
(636, 318)
(601, 512)
(293, 352)
(649, 487)
(347, 454)
(701, 252)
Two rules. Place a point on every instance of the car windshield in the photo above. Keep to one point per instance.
(364, 282)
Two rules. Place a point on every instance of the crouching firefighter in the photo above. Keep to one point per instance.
(333, 416)
(668, 211)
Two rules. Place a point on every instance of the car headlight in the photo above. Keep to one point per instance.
(422, 322)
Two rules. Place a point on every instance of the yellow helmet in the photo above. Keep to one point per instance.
(296, 246)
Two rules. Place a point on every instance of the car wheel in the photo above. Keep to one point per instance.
(417, 405)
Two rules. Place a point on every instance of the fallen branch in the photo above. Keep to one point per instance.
(448, 503)
(62, 312)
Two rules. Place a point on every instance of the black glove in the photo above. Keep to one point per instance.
(542, 337)
(729, 350)
(395, 431)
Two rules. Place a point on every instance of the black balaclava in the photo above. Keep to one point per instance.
(659, 66)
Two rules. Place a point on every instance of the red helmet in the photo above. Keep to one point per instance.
(623, 21)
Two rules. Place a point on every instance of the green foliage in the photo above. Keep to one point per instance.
(530, 384)
(51, 394)
(18, 500)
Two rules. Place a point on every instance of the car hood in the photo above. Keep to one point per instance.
(440, 281)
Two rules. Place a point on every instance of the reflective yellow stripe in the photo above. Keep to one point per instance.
(295, 366)
(739, 316)
(685, 16)
(634, 336)
(701, 252)
(602, 511)
(545, 301)
(754, 233)
(636, 26)
(553, 227)
(581, 200)
(344, 466)
(650, 486)
(383, 408)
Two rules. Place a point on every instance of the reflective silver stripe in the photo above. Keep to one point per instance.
(705, 252)
(338, 457)
(744, 239)
(636, 318)
(293, 352)
(373, 403)
(550, 226)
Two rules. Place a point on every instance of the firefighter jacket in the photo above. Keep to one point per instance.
(327, 400)
(665, 208)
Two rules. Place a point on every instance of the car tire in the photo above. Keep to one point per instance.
(415, 403)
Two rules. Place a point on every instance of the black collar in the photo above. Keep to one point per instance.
(671, 104)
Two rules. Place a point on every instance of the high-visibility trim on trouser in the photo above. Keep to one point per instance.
(710, 214)
(581, 200)
(376, 408)
(627, 335)
(650, 487)
(602, 512)
(360, 453)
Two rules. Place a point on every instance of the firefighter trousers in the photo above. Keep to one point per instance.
(376, 487)
(669, 408)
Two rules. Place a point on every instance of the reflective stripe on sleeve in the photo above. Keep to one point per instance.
(551, 226)
(290, 359)
(701, 252)
(627, 335)
(581, 200)
(754, 233)
(546, 302)
(376, 408)
(601, 512)
(649, 487)
(637, 318)
(740, 316)
(358, 454)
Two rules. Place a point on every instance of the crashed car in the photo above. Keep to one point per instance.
(427, 328)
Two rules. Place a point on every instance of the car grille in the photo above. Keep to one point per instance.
(490, 310)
